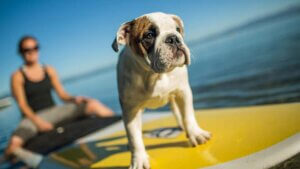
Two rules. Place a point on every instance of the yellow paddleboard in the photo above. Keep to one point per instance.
(247, 137)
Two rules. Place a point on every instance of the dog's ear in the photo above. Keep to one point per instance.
(122, 36)
(179, 23)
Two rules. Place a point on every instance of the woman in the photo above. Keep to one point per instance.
(31, 87)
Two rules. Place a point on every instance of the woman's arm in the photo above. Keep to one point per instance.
(63, 95)
(18, 92)
(17, 88)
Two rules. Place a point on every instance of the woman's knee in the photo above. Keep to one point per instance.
(95, 107)
(92, 105)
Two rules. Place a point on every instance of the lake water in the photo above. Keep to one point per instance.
(257, 65)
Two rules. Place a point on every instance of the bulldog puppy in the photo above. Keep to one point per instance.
(151, 72)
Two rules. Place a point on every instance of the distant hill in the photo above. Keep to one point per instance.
(5, 102)
(290, 11)
(91, 73)
(5, 95)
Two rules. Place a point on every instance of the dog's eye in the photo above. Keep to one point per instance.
(149, 35)
(178, 29)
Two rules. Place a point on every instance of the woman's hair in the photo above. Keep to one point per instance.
(24, 38)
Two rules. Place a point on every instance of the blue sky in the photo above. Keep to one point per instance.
(76, 35)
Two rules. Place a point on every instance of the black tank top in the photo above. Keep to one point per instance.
(38, 94)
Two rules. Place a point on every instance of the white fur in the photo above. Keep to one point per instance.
(141, 88)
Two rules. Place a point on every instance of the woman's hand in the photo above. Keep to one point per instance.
(43, 125)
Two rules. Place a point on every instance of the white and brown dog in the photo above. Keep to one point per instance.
(152, 72)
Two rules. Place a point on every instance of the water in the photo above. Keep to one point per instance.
(258, 65)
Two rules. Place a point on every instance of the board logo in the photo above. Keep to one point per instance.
(167, 132)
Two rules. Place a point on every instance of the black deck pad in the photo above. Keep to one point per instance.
(67, 133)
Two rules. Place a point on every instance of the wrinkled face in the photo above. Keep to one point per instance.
(157, 40)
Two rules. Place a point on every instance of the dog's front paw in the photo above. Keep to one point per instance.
(140, 161)
(198, 136)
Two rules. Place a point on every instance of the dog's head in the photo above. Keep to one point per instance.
(155, 39)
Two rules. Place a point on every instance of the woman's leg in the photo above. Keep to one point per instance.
(31, 159)
(14, 143)
(94, 107)
(23, 133)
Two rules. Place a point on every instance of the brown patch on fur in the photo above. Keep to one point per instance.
(139, 27)
(179, 24)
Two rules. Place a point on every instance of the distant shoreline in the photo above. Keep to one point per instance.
(5, 102)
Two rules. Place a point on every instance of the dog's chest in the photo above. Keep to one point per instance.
(161, 90)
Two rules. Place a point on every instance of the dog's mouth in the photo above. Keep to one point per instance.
(180, 56)
(166, 59)
(182, 52)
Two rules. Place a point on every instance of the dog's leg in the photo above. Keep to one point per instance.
(176, 112)
(195, 134)
(133, 126)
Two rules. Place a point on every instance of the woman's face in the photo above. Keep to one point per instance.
(30, 51)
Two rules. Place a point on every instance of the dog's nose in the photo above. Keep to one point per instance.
(173, 40)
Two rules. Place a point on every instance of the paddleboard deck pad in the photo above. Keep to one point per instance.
(67, 132)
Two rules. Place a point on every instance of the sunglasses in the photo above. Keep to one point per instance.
(26, 50)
